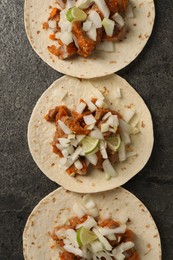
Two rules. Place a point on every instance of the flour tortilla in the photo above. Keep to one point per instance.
(56, 209)
(41, 132)
(104, 63)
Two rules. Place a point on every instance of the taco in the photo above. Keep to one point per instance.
(90, 136)
(75, 36)
(109, 225)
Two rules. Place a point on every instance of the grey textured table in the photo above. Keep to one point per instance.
(24, 77)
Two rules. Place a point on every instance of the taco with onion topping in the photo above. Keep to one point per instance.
(112, 225)
(90, 136)
(72, 36)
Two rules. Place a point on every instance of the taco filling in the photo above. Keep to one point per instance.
(78, 27)
(91, 135)
(87, 236)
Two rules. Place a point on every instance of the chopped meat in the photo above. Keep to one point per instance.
(72, 169)
(95, 8)
(117, 35)
(63, 51)
(54, 13)
(100, 112)
(74, 126)
(110, 223)
(113, 157)
(56, 113)
(99, 162)
(123, 6)
(67, 256)
(113, 6)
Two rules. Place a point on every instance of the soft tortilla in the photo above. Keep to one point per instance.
(41, 132)
(56, 209)
(104, 63)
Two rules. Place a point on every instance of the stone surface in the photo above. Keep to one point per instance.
(24, 77)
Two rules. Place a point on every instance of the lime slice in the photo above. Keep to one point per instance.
(84, 236)
(89, 144)
(114, 142)
(76, 14)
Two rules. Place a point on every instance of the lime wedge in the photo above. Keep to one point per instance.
(89, 144)
(84, 236)
(76, 14)
(114, 142)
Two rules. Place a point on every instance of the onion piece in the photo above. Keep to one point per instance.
(78, 210)
(73, 250)
(68, 164)
(94, 17)
(78, 165)
(128, 114)
(103, 7)
(90, 105)
(125, 126)
(103, 150)
(89, 119)
(106, 116)
(118, 255)
(87, 25)
(88, 201)
(108, 168)
(64, 142)
(96, 246)
(94, 212)
(92, 33)
(66, 38)
(131, 154)
(63, 161)
(125, 137)
(74, 142)
(129, 11)
(64, 128)
(111, 237)
(96, 133)
(71, 235)
(90, 127)
(118, 19)
(71, 136)
(52, 24)
(79, 137)
(106, 46)
(75, 155)
(102, 239)
(104, 255)
(104, 127)
(122, 152)
(93, 159)
(99, 103)
(89, 223)
(69, 4)
(84, 4)
(80, 107)
(108, 25)
(124, 246)
(109, 231)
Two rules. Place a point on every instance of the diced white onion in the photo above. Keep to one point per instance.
(94, 212)
(108, 231)
(128, 114)
(108, 168)
(89, 119)
(124, 246)
(68, 163)
(122, 152)
(93, 159)
(95, 18)
(90, 105)
(118, 255)
(102, 239)
(96, 246)
(106, 116)
(130, 154)
(60, 233)
(60, 147)
(52, 24)
(68, 151)
(78, 165)
(66, 37)
(129, 11)
(79, 137)
(64, 128)
(104, 255)
(111, 237)
(64, 142)
(65, 26)
(106, 46)
(70, 3)
(99, 103)
(92, 33)
(103, 7)
(118, 19)
(96, 133)
(73, 250)
(71, 136)
(78, 210)
(125, 126)
(71, 235)
(88, 201)
(125, 138)
(103, 150)
(87, 25)
(80, 107)
(74, 142)
(63, 161)
(75, 155)
(84, 4)
(89, 223)
(90, 127)
(104, 127)
(108, 25)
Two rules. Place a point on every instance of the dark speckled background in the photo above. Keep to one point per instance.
(24, 77)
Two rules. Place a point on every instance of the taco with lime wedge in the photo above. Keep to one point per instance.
(74, 35)
(90, 136)
(112, 225)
